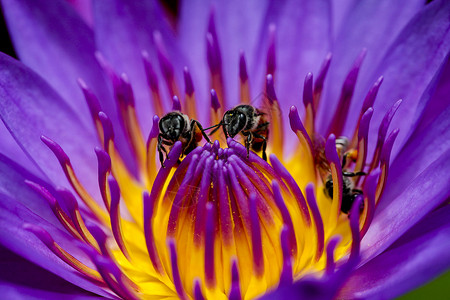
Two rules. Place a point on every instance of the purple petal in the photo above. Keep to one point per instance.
(303, 34)
(14, 237)
(301, 29)
(84, 9)
(426, 42)
(123, 29)
(30, 108)
(426, 145)
(192, 27)
(422, 194)
(340, 10)
(417, 183)
(415, 259)
(21, 279)
(55, 43)
(372, 25)
(10, 148)
(58, 45)
(12, 181)
(38, 44)
(436, 94)
(239, 27)
(410, 65)
(306, 288)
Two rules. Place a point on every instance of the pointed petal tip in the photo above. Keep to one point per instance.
(155, 128)
(189, 85)
(308, 97)
(294, 120)
(310, 187)
(82, 84)
(243, 75)
(365, 123)
(272, 28)
(330, 150)
(215, 104)
(387, 147)
(124, 77)
(56, 149)
(157, 38)
(176, 105)
(270, 88)
(379, 80)
(40, 233)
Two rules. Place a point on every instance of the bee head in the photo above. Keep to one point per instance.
(234, 122)
(171, 126)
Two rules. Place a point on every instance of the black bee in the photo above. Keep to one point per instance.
(251, 123)
(349, 193)
(176, 126)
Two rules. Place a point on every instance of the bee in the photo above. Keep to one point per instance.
(176, 126)
(349, 192)
(251, 123)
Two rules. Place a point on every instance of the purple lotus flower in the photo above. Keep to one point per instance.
(352, 201)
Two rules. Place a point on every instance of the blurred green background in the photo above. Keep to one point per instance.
(436, 289)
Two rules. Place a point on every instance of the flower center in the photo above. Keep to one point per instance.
(221, 222)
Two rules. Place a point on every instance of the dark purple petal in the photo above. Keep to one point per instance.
(421, 195)
(55, 43)
(24, 243)
(30, 108)
(421, 254)
(310, 287)
(22, 279)
(372, 25)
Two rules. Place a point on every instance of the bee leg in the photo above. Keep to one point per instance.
(264, 155)
(191, 138)
(248, 141)
(263, 125)
(353, 174)
(201, 129)
(344, 160)
(217, 127)
(160, 150)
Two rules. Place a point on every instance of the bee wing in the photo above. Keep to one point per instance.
(264, 104)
